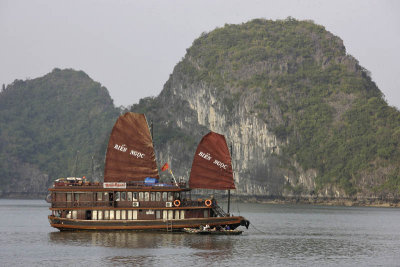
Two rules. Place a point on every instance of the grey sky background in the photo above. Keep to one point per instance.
(131, 47)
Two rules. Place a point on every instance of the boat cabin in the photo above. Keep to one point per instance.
(73, 199)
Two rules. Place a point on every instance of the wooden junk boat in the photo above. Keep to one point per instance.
(131, 198)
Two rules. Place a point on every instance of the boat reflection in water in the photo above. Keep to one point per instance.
(135, 247)
(139, 240)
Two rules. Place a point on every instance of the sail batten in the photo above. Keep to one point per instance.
(130, 153)
(212, 164)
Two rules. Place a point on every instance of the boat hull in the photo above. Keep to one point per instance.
(212, 231)
(161, 225)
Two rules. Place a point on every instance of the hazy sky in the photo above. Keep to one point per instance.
(131, 47)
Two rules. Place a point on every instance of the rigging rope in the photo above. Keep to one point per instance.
(258, 229)
(237, 206)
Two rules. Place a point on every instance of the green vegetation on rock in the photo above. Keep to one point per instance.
(46, 121)
(331, 113)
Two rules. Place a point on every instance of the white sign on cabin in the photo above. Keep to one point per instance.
(114, 185)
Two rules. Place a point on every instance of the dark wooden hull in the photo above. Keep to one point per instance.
(160, 225)
(212, 232)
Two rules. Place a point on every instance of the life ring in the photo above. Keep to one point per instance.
(208, 202)
(177, 202)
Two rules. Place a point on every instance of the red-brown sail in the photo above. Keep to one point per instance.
(130, 153)
(212, 166)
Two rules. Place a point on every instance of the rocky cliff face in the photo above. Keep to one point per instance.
(255, 148)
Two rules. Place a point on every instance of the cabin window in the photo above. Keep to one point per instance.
(129, 214)
(165, 214)
(69, 197)
(100, 215)
(205, 213)
(105, 196)
(141, 196)
(117, 196)
(112, 215)
(152, 196)
(74, 214)
(99, 196)
(146, 196)
(76, 196)
(134, 214)
(129, 196)
(170, 196)
(69, 214)
(57, 213)
(177, 214)
(164, 196)
(158, 196)
(182, 214)
(123, 196)
(118, 215)
(170, 214)
(134, 196)
(106, 215)
(158, 214)
(123, 214)
(94, 215)
(177, 195)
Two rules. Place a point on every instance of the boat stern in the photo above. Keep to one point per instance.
(245, 222)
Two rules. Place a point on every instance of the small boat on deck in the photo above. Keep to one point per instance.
(131, 196)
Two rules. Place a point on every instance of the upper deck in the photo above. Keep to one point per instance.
(78, 194)
(80, 184)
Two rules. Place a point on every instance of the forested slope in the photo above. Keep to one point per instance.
(45, 124)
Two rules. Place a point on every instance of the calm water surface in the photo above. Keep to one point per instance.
(279, 235)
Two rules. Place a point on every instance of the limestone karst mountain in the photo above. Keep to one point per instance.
(303, 117)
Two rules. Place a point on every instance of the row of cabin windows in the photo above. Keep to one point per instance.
(132, 214)
(132, 196)
(144, 196)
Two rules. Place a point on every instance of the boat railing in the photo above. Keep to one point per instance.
(142, 204)
(140, 184)
(77, 184)
(135, 184)
(193, 203)
(125, 204)
(77, 204)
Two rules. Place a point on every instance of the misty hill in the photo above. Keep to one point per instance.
(44, 122)
(303, 116)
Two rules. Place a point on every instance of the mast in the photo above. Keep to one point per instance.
(76, 162)
(92, 169)
(229, 191)
(151, 127)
